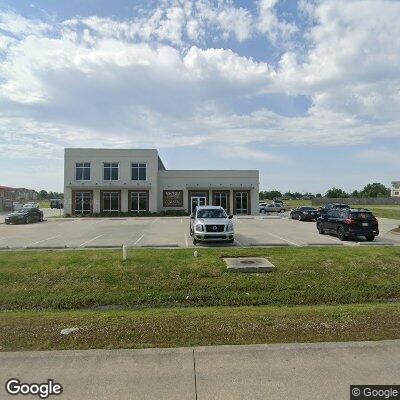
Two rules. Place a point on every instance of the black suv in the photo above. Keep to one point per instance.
(56, 203)
(349, 222)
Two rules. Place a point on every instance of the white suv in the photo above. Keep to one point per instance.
(211, 223)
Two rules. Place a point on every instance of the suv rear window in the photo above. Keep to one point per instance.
(362, 215)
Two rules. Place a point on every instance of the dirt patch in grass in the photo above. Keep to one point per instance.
(194, 326)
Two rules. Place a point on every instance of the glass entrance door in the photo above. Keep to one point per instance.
(198, 201)
(242, 202)
(222, 199)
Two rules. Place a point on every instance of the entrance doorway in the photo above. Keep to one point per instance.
(198, 201)
(242, 202)
(221, 198)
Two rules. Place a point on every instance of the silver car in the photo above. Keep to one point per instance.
(274, 207)
(211, 223)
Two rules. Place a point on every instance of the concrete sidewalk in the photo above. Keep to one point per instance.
(287, 371)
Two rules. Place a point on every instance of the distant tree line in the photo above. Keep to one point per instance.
(44, 195)
(371, 190)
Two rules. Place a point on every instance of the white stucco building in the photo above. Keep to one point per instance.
(111, 180)
(395, 189)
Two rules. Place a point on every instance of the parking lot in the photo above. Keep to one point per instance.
(263, 230)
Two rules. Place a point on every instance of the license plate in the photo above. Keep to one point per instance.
(365, 224)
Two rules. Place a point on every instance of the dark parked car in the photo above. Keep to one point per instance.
(330, 206)
(349, 222)
(56, 203)
(304, 214)
(24, 216)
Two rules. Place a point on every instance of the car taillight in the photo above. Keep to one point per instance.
(349, 221)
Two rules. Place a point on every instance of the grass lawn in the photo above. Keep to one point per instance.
(392, 211)
(197, 326)
(174, 278)
(44, 203)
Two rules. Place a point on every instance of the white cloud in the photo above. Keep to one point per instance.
(352, 59)
(246, 153)
(142, 82)
(19, 26)
(268, 22)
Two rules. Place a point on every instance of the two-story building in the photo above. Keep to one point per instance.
(395, 189)
(133, 180)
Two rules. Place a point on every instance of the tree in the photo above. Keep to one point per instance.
(43, 195)
(336, 193)
(270, 195)
(375, 190)
(318, 195)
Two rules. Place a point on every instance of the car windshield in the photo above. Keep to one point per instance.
(216, 213)
(21, 211)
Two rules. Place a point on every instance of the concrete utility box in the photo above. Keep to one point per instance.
(249, 264)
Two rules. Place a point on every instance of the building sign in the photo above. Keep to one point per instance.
(173, 198)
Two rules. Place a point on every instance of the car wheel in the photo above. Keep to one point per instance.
(340, 233)
(27, 220)
(194, 241)
(299, 217)
(370, 238)
(282, 211)
(230, 241)
(320, 229)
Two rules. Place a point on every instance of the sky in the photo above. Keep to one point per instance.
(307, 92)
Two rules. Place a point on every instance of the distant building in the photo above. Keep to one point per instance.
(23, 194)
(8, 195)
(395, 190)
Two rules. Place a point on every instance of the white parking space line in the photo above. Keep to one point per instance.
(91, 240)
(186, 241)
(281, 238)
(44, 240)
(138, 240)
(239, 243)
(153, 222)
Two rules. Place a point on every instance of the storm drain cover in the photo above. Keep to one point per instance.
(249, 264)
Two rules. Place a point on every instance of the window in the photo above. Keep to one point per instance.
(82, 171)
(139, 201)
(138, 171)
(110, 171)
(83, 202)
(110, 201)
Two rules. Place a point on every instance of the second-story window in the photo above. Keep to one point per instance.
(82, 171)
(110, 171)
(139, 172)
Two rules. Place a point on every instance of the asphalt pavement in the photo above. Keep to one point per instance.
(250, 231)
